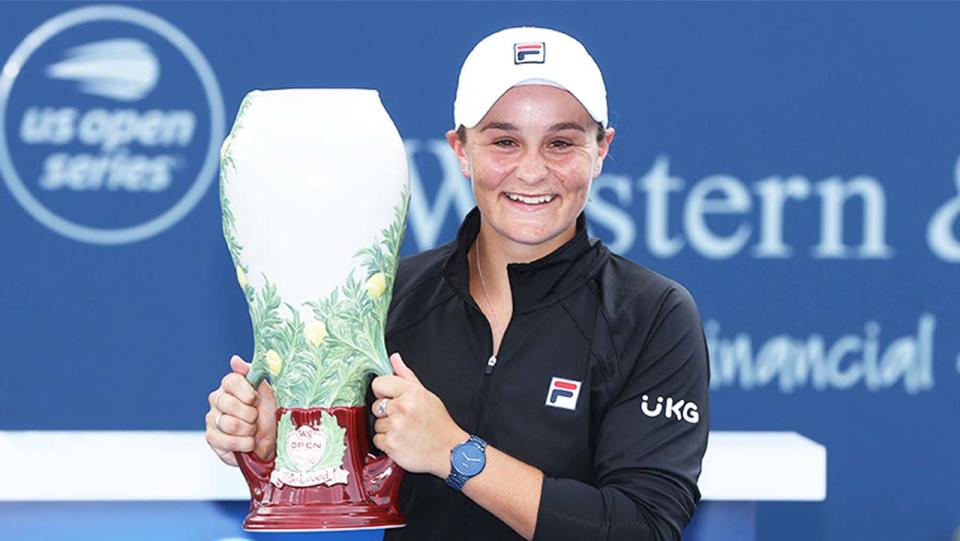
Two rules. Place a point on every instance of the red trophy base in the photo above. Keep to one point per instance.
(368, 499)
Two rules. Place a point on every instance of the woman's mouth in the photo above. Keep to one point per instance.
(530, 200)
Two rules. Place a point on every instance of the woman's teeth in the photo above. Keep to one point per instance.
(531, 200)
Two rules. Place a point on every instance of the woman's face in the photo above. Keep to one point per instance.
(532, 159)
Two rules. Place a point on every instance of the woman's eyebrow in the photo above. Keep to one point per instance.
(566, 126)
(506, 126)
(500, 126)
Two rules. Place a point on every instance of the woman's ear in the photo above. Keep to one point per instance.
(603, 150)
(453, 139)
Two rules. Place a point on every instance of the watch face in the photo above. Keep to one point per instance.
(468, 459)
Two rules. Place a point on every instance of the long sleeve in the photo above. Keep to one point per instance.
(650, 442)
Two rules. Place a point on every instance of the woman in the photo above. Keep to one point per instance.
(545, 388)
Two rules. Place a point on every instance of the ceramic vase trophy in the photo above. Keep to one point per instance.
(314, 189)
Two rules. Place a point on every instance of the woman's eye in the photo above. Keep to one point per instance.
(560, 144)
(503, 143)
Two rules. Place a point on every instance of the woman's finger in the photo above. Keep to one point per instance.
(228, 404)
(381, 408)
(238, 365)
(228, 424)
(225, 456)
(389, 386)
(236, 384)
(381, 426)
(227, 443)
(380, 441)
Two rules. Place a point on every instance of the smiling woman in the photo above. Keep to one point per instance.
(531, 158)
(531, 355)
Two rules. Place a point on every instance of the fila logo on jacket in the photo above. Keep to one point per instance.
(563, 393)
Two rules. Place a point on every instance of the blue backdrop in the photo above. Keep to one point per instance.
(794, 165)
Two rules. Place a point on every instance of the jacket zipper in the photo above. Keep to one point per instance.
(487, 372)
(491, 364)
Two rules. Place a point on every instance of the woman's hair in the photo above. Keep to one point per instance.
(462, 133)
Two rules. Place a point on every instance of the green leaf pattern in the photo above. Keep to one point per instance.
(284, 428)
(326, 361)
(336, 442)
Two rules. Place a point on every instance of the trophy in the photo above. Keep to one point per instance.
(314, 189)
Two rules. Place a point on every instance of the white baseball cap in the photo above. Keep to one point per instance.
(527, 55)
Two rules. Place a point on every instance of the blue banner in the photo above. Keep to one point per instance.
(796, 166)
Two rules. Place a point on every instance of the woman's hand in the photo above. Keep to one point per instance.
(413, 426)
(246, 418)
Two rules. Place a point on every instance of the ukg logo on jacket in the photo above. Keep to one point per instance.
(111, 123)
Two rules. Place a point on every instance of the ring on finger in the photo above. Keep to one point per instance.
(216, 422)
(382, 408)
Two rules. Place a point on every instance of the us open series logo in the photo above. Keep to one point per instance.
(110, 124)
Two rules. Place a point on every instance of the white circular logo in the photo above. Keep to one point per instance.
(98, 113)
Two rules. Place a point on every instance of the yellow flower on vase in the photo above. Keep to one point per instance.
(274, 363)
(241, 277)
(376, 285)
(314, 331)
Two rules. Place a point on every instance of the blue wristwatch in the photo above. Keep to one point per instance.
(466, 460)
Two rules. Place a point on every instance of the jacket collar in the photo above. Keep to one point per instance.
(538, 282)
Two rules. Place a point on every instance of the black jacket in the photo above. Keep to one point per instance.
(623, 464)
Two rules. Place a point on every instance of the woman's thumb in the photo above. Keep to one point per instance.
(238, 365)
(401, 369)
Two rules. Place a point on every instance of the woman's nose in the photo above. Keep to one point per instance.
(532, 167)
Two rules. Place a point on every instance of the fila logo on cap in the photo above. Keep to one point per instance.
(563, 393)
(529, 53)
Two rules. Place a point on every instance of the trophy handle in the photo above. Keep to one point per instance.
(255, 376)
(255, 471)
(381, 479)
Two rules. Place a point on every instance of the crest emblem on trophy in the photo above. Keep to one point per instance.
(314, 188)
